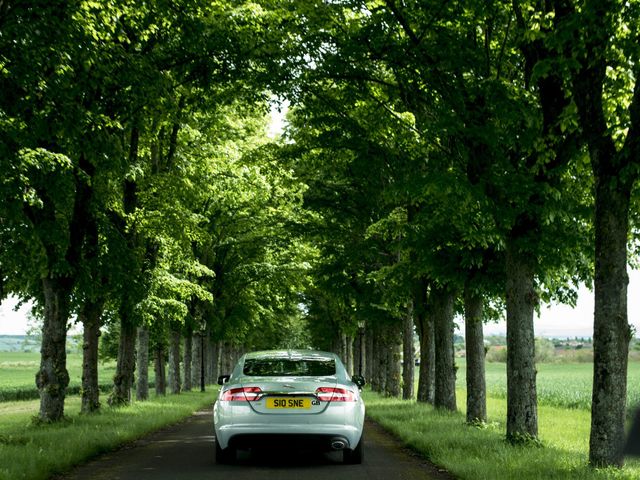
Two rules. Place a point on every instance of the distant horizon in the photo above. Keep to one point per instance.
(554, 321)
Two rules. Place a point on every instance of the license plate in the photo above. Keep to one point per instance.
(288, 402)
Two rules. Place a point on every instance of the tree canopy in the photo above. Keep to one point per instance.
(440, 157)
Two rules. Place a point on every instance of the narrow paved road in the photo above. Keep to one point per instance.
(186, 451)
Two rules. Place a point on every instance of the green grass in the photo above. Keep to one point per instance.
(566, 385)
(482, 453)
(18, 369)
(33, 452)
(18, 372)
(564, 399)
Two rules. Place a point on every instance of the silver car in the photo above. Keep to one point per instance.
(293, 398)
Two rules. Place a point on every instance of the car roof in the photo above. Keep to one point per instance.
(291, 354)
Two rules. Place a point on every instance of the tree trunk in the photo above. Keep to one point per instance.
(382, 354)
(188, 352)
(611, 333)
(424, 326)
(229, 357)
(357, 349)
(214, 362)
(369, 354)
(125, 368)
(343, 349)
(408, 361)
(52, 379)
(359, 356)
(375, 360)
(142, 364)
(90, 315)
(174, 362)
(362, 356)
(522, 409)
(393, 383)
(615, 174)
(442, 303)
(349, 355)
(160, 371)
(208, 370)
(474, 341)
(196, 364)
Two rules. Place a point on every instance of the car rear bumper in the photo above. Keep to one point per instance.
(280, 442)
(290, 435)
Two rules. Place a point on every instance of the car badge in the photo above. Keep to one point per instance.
(288, 386)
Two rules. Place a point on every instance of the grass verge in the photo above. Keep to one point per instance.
(482, 453)
(36, 452)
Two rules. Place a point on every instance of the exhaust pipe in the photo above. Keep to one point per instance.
(338, 443)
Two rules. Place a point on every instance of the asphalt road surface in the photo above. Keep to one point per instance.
(187, 451)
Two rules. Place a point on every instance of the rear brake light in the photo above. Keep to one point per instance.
(244, 394)
(330, 394)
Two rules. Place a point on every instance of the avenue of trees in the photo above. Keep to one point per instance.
(441, 157)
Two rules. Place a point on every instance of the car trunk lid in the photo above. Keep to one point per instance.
(289, 395)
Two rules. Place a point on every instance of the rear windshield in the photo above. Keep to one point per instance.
(303, 367)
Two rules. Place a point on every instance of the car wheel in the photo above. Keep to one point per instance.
(355, 456)
(226, 455)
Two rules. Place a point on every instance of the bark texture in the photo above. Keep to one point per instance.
(611, 332)
(425, 328)
(123, 379)
(174, 362)
(475, 353)
(188, 355)
(368, 355)
(142, 364)
(383, 361)
(408, 362)
(160, 371)
(196, 360)
(375, 360)
(393, 382)
(349, 354)
(359, 353)
(196, 364)
(90, 315)
(442, 301)
(52, 379)
(522, 405)
(208, 366)
(214, 361)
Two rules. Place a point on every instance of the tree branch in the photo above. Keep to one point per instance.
(403, 22)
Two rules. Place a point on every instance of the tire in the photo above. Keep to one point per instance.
(355, 456)
(224, 456)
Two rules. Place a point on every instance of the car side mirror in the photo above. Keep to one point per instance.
(222, 379)
(358, 380)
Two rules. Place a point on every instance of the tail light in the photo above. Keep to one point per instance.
(331, 394)
(243, 394)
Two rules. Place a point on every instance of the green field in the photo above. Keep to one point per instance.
(474, 453)
(566, 385)
(18, 371)
(564, 399)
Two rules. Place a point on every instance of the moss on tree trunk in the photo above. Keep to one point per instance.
(52, 378)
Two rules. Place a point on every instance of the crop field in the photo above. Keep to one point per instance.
(565, 385)
(18, 372)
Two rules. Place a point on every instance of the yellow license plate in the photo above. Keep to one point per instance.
(288, 402)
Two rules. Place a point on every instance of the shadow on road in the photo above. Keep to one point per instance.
(287, 459)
